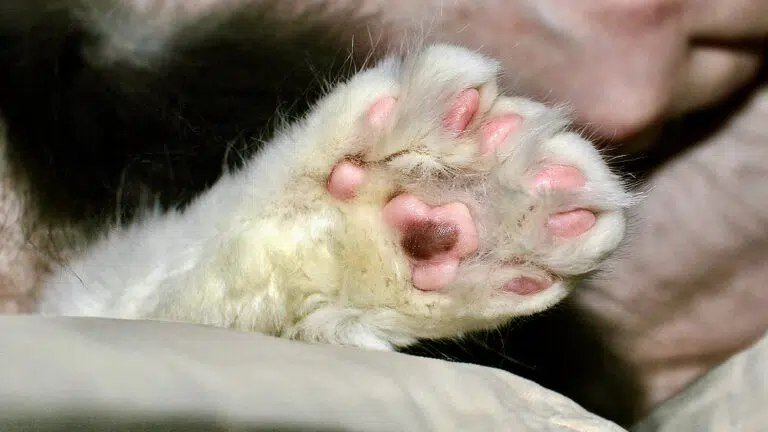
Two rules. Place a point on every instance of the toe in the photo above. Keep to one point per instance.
(496, 131)
(345, 179)
(571, 223)
(462, 111)
(380, 112)
(559, 177)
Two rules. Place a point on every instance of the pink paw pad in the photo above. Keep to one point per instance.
(457, 118)
(492, 134)
(380, 112)
(435, 239)
(559, 177)
(571, 223)
(345, 179)
(496, 131)
(526, 286)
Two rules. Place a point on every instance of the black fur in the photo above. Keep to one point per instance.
(97, 132)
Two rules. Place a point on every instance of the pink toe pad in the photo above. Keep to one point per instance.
(380, 112)
(344, 180)
(461, 112)
(571, 223)
(495, 133)
(526, 286)
(559, 177)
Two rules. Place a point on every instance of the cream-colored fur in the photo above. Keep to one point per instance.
(268, 249)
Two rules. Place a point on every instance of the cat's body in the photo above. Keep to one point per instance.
(274, 248)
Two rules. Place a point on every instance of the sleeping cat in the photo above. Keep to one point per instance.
(414, 201)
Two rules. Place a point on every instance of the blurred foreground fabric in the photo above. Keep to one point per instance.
(100, 374)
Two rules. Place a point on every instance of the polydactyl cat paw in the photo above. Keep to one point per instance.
(490, 203)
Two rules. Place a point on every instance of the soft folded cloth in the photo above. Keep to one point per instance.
(99, 374)
(732, 397)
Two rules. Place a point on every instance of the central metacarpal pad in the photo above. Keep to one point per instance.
(435, 238)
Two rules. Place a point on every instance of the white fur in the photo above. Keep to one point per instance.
(268, 249)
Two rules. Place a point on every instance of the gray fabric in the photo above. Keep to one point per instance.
(82, 373)
(732, 397)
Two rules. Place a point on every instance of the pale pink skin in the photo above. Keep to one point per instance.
(691, 291)
(405, 211)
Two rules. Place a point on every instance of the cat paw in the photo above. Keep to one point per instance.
(466, 207)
